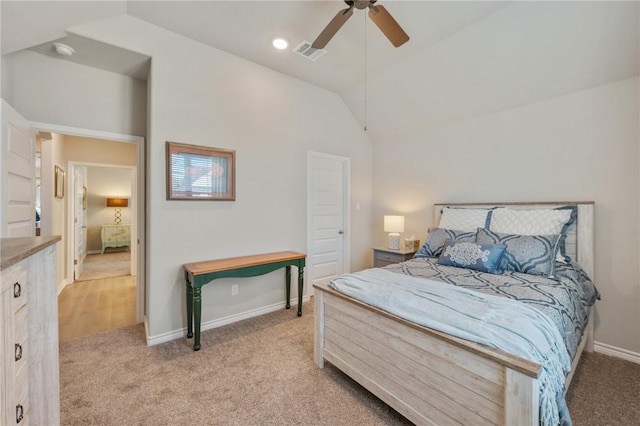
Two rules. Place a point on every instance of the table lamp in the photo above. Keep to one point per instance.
(394, 225)
(118, 203)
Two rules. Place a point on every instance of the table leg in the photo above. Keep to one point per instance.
(287, 300)
(189, 307)
(300, 288)
(197, 311)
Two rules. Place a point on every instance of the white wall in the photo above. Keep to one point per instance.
(2, 72)
(53, 210)
(203, 96)
(120, 100)
(103, 182)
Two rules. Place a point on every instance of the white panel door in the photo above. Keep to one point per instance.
(79, 220)
(17, 213)
(328, 236)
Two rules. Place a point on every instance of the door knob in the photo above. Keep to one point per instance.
(341, 232)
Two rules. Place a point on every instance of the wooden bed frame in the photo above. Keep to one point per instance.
(431, 377)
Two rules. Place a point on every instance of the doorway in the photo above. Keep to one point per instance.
(101, 232)
(82, 221)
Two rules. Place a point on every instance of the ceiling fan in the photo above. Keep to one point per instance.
(378, 14)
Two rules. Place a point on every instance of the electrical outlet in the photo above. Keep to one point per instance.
(234, 289)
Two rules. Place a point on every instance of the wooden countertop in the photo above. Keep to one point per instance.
(13, 250)
(205, 267)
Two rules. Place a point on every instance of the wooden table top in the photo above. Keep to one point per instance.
(217, 265)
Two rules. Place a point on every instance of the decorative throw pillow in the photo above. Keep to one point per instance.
(530, 254)
(480, 257)
(536, 222)
(464, 219)
(437, 236)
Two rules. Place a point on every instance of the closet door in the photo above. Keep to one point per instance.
(17, 212)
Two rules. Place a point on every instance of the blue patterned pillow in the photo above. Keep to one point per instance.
(481, 257)
(437, 236)
(530, 254)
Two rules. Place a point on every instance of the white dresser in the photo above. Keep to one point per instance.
(29, 373)
(115, 236)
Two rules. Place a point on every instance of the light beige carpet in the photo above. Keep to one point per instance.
(255, 372)
(98, 266)
(261, 372)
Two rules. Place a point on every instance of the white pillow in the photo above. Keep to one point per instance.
(529, 222)
(468, 220)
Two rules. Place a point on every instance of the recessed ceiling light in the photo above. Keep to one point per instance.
(63, 49)
(280, 43)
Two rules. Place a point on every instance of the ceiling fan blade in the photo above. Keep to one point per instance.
(389, 27)
(332, 28)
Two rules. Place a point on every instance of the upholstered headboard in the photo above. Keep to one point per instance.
(579, 242)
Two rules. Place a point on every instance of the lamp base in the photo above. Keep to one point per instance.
(118, 216)
(394, 241)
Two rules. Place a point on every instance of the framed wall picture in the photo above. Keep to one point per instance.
(84, 198)
(59, 182)
(200, 173)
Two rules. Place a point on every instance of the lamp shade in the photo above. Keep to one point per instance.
(394, 224)
(117, 202)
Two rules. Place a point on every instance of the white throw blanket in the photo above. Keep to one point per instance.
(493, 321)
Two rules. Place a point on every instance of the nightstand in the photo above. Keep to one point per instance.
(385, 256)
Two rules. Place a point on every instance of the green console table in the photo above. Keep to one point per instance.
(198, 274)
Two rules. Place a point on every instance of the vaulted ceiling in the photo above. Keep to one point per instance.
(246, 29)
(462, 59)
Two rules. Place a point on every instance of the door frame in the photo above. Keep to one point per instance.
(73, 214)
(71, 166)
(346, 213)
(138, 202)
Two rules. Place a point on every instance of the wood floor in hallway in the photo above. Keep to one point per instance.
(89, 307)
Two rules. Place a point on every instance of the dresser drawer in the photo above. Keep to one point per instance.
(21, 406)
(388, 257)
(14, 279)
(383, 256)
(20, 343)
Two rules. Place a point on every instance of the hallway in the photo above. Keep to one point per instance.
(90, 307)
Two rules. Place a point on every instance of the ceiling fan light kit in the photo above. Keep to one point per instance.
(378, 14)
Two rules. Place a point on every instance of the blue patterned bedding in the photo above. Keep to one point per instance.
(565, 299)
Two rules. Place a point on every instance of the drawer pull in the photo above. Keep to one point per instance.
(18, 352)
(19, 413)
(387, 257)
(17, 290)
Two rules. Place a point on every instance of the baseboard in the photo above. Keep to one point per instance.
(146, 329)
(176, 334)
(61, 285)
(94, 252)
(625, 354)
